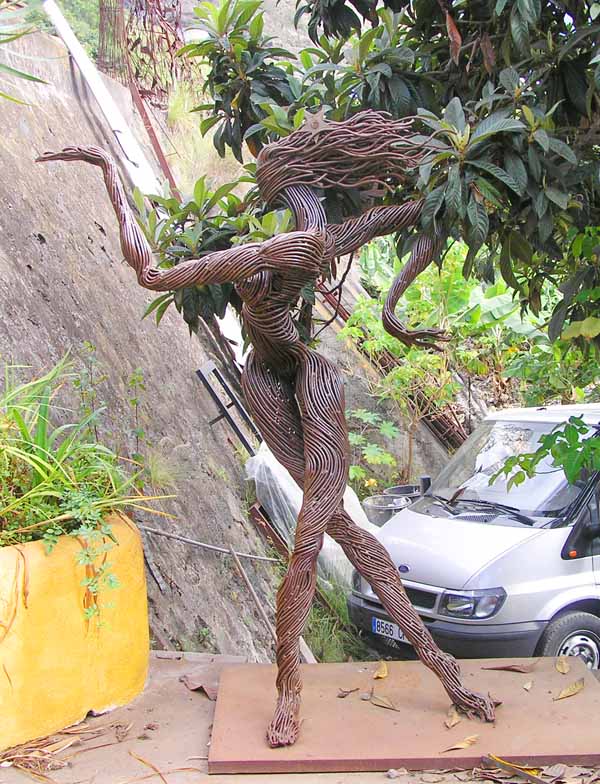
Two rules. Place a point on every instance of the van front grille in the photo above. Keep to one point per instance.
(424, 599)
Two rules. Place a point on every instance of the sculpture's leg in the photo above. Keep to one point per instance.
(372, 560)
(273, 406)
(323, 436)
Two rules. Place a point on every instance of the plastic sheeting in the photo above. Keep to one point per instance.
(281, 497)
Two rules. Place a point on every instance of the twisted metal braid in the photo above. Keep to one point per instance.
(304, 424)
(424, 251)
(278, 417)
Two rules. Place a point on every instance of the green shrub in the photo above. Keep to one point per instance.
(55, 477)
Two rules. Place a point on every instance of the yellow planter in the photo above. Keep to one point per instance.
(55, 666)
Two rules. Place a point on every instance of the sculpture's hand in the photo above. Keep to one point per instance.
(420, 338)
(92, 155)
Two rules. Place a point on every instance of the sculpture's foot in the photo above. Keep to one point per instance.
(285, 726)
(474, 705)
(469, 702)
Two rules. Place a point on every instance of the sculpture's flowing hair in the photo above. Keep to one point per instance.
(369, 149)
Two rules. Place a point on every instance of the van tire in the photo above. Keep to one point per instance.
(571, 633)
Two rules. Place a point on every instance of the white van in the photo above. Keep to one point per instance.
(497, 573)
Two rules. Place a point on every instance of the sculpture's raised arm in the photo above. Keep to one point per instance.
(299, 251)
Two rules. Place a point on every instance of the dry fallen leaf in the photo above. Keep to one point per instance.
(513, 766)
(463, 744)
(452, 717)
(554, 772)
(514, 667)
(574, 771)
(571, 690)
(343, 693)
(527, 686)
(383, 702)
(381, 671)
(60, 745)
(523, 771)
(431, 778)
(562, 665)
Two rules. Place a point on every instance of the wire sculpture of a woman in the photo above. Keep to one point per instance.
(295, 395)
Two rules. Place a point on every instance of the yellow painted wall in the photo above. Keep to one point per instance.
(54, 665)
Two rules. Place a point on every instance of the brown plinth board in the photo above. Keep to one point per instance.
(351, 734)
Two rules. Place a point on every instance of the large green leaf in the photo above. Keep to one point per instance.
(562, 149)
(529, 10)
(479, 224)
(498, 173)
(519, 31)
(588, 328)
(433, 202)
(520, 248)
(506, 269)
(517, 170)
(453, 194)
(455, 115)
(494, 123)
(559, 198)
(509, 79)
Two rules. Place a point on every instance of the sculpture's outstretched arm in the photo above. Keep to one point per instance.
(353, 233)
(300, 251)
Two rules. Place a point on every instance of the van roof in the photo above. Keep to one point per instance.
(556, 414)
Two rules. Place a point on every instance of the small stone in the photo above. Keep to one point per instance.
(395, 774)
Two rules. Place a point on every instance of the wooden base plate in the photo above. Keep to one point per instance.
(352, 734)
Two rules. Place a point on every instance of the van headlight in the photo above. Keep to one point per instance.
(472, 604)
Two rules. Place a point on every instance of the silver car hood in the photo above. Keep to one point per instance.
(447, 552)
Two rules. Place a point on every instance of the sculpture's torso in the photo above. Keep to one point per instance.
(268, 298)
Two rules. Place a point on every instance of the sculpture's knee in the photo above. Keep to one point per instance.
(307, 548)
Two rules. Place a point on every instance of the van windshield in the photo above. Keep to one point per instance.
(484, 453)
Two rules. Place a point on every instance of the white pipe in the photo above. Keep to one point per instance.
(136, 163)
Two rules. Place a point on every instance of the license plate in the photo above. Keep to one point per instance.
(387, 629)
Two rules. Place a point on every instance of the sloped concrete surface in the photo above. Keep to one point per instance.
(62, 282)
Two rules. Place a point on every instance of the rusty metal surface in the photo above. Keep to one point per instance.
(354, 735)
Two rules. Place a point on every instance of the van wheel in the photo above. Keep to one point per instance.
(573, 634)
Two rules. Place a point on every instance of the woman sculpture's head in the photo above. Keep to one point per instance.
(369, 149)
